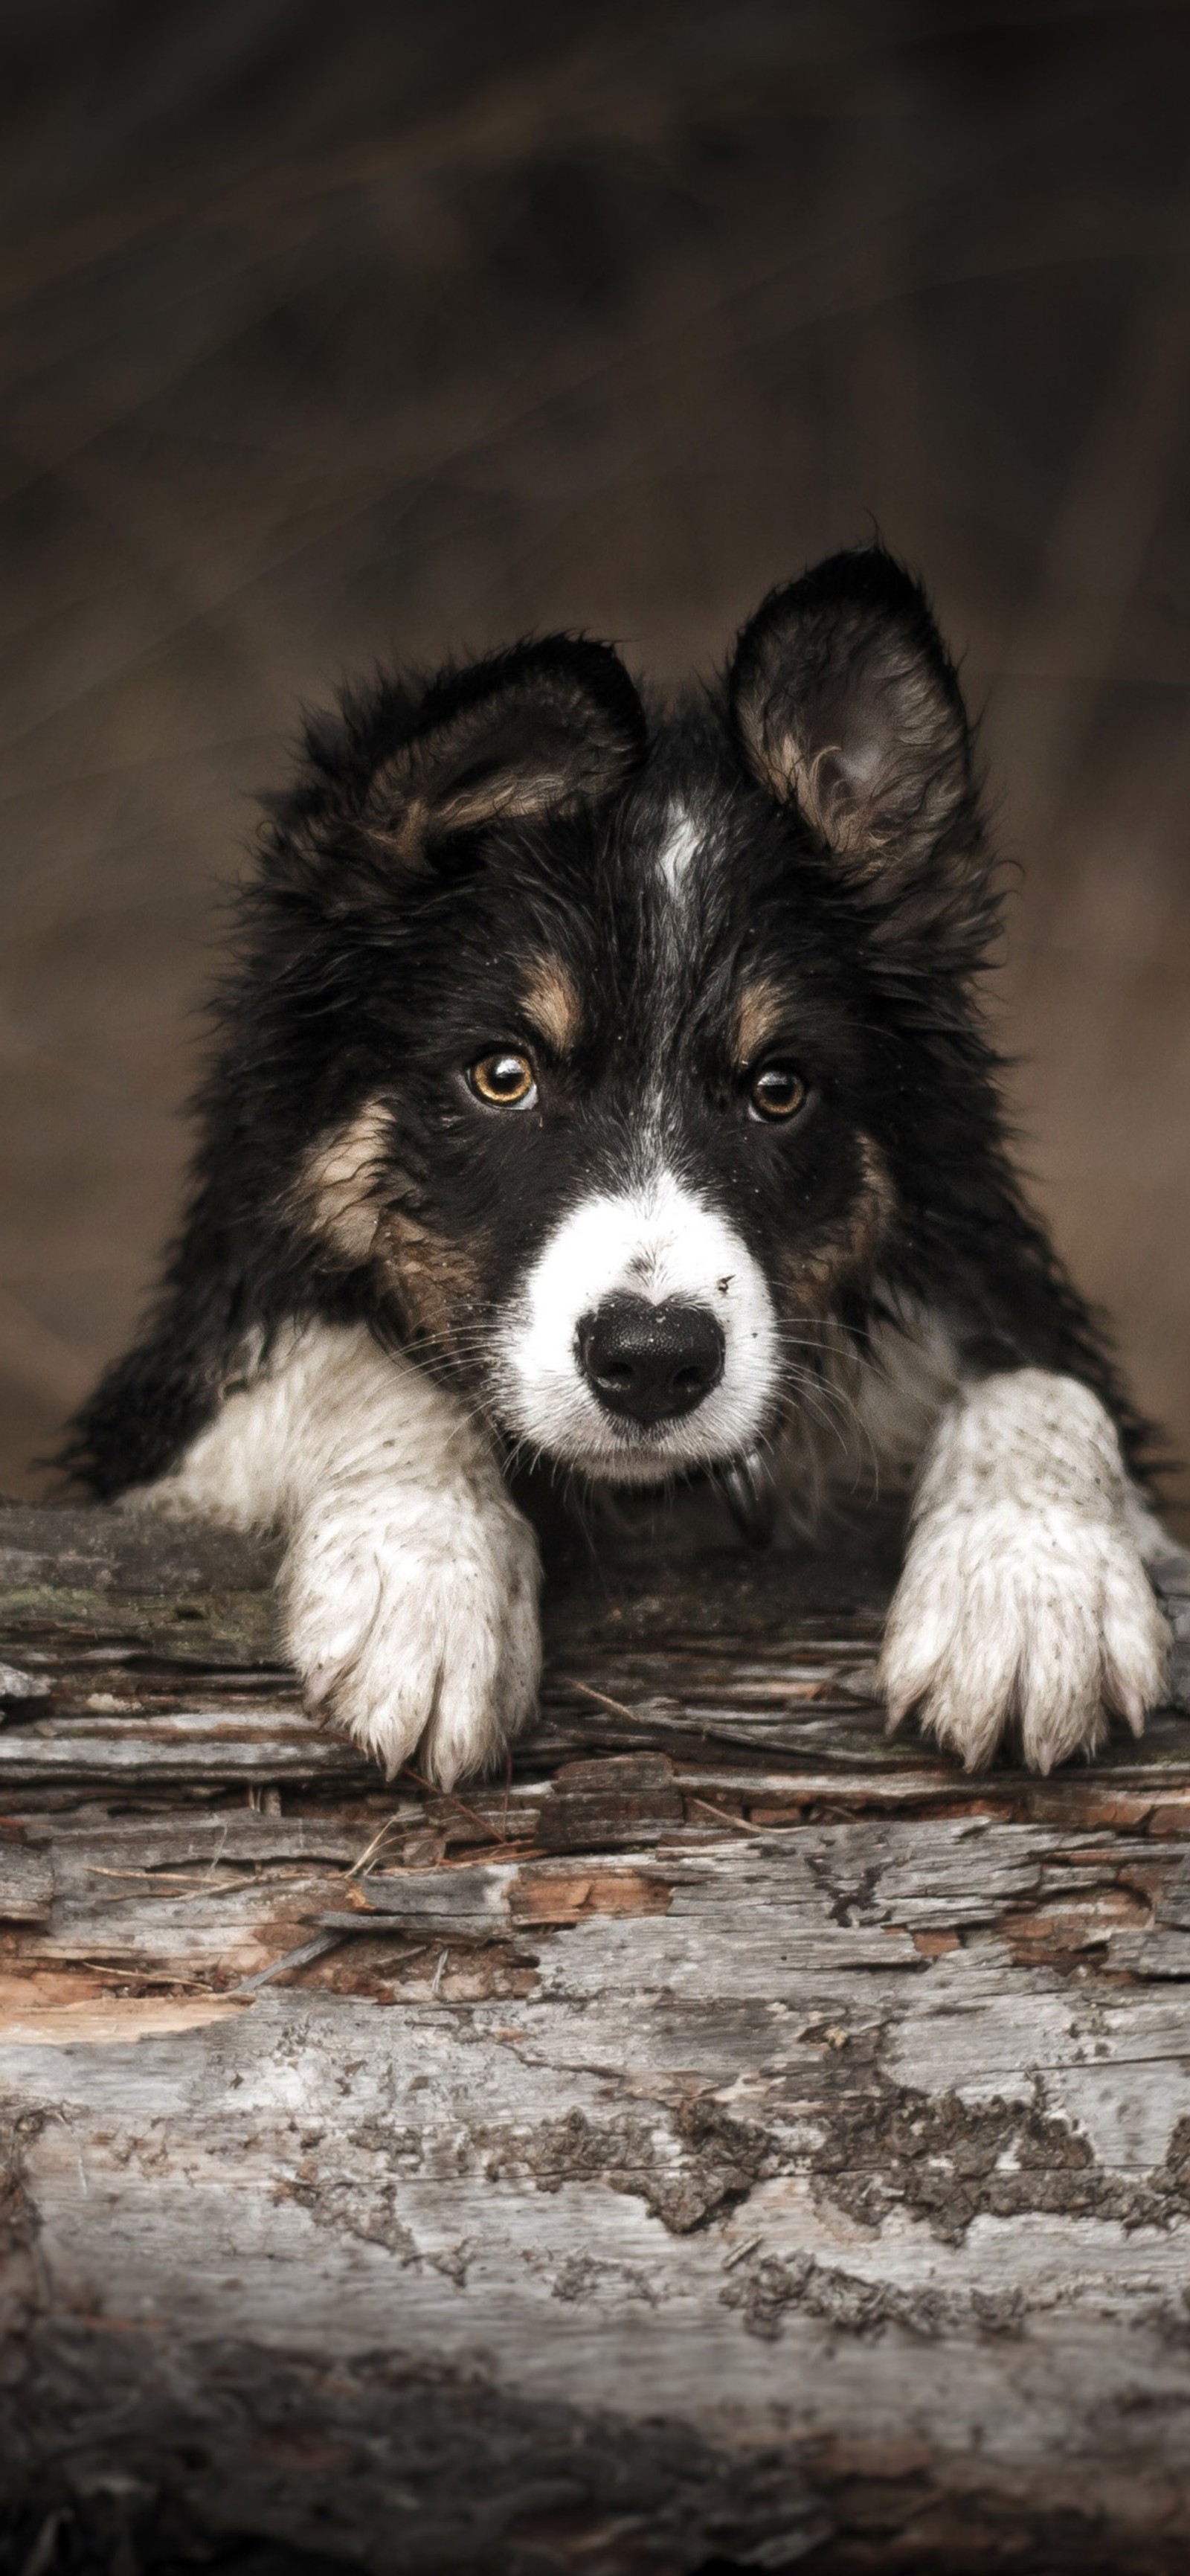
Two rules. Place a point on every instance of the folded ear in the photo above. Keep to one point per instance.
(846, 705)
(535, 731)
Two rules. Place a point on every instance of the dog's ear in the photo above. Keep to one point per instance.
(845, 705)
(539, 730)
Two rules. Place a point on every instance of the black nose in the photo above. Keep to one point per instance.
(650, 1363)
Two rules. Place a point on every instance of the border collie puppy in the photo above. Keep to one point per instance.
(604, 1086)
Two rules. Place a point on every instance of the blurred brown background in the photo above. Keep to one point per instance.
(337, 331)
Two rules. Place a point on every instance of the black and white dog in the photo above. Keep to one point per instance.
(605, 1086)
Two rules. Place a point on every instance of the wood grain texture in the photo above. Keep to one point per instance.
(730, 2140)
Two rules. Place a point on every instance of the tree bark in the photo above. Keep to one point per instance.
(730, 2140)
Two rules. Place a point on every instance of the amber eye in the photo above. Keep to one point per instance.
(504, 1079)
(776, 1092)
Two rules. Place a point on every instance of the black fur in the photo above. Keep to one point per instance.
(443, 833)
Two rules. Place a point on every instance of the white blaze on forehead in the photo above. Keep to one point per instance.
(659, 1242)
(682, 842)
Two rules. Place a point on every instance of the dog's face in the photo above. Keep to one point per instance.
(632, 1119)
(619, 1150)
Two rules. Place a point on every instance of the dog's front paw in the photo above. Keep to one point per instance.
(412, 1620)
(1036, 1620)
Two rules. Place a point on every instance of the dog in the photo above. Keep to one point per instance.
(605, 1085)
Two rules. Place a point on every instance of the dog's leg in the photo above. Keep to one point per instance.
(1024, 1596)
(409, 1586)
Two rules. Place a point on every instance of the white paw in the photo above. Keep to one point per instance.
(412, 1618)
(1038, 1618)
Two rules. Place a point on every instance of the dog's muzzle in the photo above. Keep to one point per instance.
(650, 1363)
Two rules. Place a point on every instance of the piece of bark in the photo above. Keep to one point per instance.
(17, 1684)
(26, 1882)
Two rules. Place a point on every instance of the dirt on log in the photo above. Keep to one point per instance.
(727, 2141)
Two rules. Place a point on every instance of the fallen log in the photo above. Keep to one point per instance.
(728, 2140)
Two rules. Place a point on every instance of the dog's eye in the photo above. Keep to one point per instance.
(776, 1092)
(504, 1079)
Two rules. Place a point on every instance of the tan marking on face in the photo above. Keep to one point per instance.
(436, 1283)
(352, 1197)
(814, 1280)
(335, 1195)
(760, 1017)
(551, 1003)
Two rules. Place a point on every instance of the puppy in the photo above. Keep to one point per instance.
(606, 1087)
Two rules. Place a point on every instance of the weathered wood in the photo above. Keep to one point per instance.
(729, 2139)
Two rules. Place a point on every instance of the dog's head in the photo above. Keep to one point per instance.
(603, 1025)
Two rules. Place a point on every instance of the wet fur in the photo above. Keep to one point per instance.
(793, 860)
